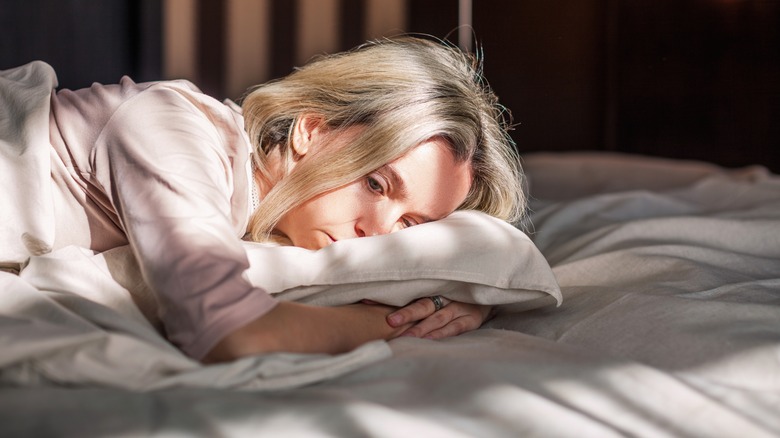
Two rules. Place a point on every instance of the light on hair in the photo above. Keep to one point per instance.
(401, 92)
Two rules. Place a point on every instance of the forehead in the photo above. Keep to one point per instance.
(432, 182)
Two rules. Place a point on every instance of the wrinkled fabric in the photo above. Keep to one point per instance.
(160, 166)
(668, 328)
(26, 220)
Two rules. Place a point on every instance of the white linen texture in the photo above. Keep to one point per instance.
(669, 327)
(75, 317)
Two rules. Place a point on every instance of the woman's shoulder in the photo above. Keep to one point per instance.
(105, 96)
(179, 100)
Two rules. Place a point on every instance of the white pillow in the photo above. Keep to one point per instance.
(469, 257)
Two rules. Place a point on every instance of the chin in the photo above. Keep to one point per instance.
(313, 241)
(309, 244)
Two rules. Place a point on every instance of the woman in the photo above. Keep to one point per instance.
(367, 142)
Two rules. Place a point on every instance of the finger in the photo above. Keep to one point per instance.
(450, 321)
(431, 323)
(455, 327)
(413, 312)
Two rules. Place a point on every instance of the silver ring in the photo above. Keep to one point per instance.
(437, 302)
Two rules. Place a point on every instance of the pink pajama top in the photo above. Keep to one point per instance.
(165, 168)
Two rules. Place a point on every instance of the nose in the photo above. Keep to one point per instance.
(375, 224)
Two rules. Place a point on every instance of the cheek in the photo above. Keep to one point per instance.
(314, 212)
(337, 206)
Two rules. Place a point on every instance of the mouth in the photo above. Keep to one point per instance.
(330, 239)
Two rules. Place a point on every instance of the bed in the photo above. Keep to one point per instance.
(661, 318)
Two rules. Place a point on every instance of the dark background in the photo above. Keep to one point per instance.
(690, 79)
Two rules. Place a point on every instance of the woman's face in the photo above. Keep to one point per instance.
(424, 185)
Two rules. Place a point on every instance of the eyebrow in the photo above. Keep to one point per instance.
(400, 187)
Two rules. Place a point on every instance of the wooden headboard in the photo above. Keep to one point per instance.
(691, 79)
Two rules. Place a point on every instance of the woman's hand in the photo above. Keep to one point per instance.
(451, 320)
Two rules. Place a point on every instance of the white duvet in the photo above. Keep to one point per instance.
(670, 326)
(79, 318)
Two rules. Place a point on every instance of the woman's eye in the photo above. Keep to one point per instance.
(407, 223)
(375, 185)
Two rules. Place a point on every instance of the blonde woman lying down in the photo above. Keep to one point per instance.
(390, 135)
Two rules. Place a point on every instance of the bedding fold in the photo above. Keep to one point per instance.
(26, 206)
(78, 317)
(670, 282)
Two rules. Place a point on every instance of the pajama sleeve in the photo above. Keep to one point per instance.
(164, 159)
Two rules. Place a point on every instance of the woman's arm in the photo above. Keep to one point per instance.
(173, 162)
(300, 328)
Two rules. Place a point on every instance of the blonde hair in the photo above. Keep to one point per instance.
(403, 92)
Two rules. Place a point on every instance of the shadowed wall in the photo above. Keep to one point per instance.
(692, 79)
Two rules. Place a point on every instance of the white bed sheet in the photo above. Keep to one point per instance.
(670, 326)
